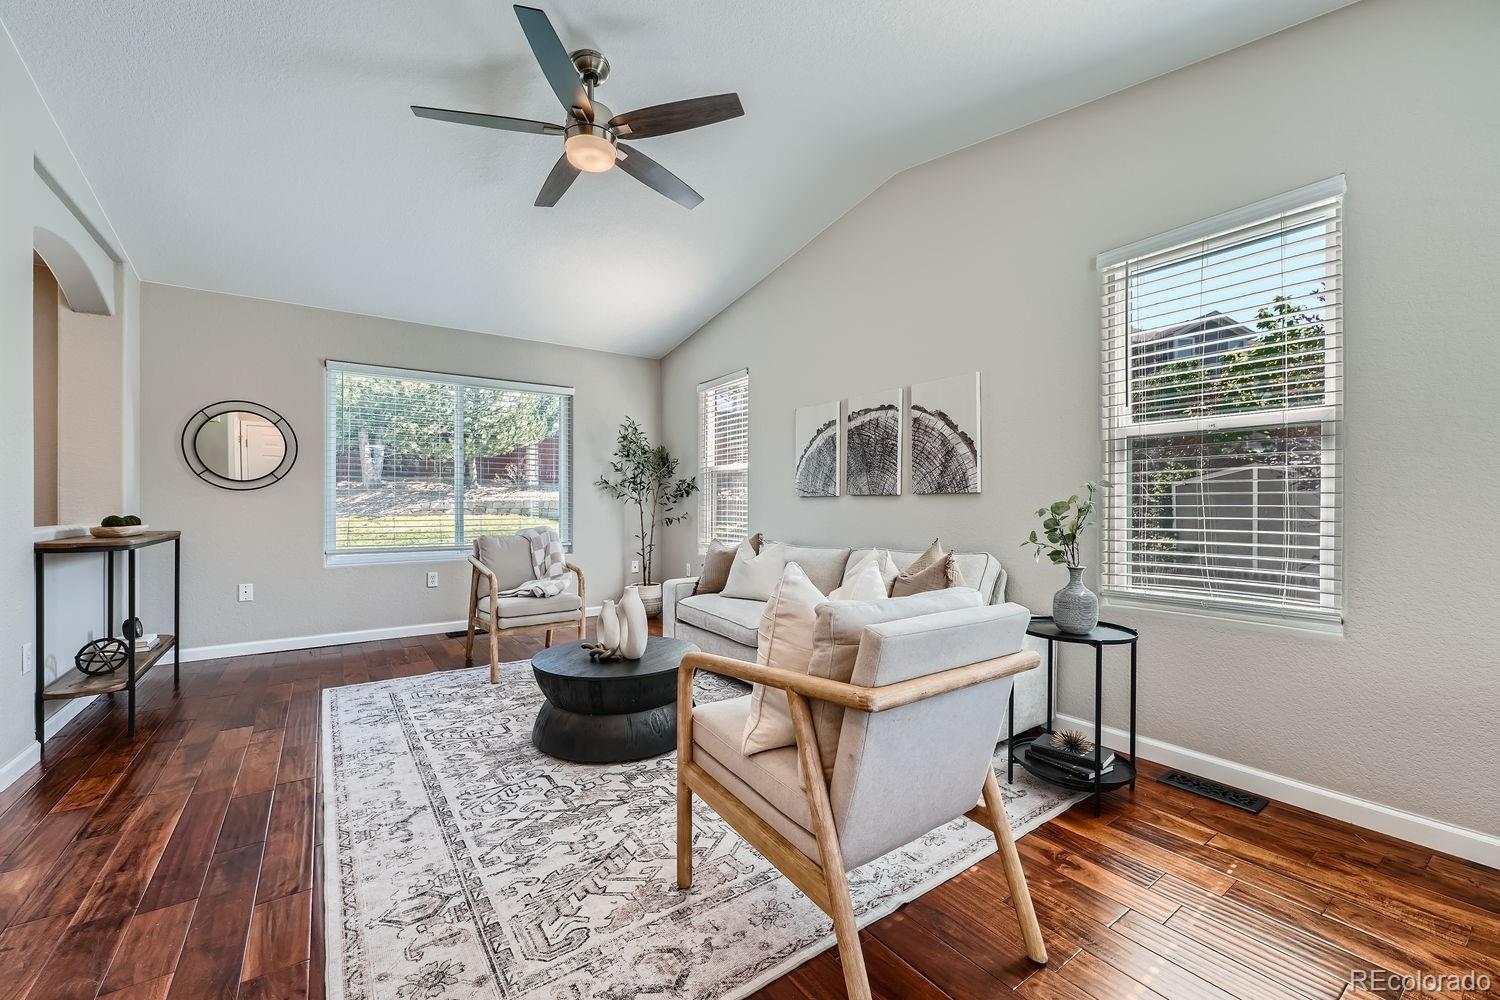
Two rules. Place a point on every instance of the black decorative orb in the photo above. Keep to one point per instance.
(131, 629)
(102, 656)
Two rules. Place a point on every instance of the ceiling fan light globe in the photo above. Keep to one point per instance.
(590, 153)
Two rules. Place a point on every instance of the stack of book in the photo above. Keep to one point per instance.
(147, 642)
(1050, 750)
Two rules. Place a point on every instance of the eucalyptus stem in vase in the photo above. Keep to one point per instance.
(1075, 608)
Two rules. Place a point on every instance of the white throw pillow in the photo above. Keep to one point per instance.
(786, 641)
(880, 558)
(866, 583)
(754, 576)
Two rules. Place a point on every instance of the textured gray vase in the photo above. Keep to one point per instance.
(1075, 608)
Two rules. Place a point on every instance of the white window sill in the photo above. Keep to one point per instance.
(336, 559)
(1268, 619)
(332, 560)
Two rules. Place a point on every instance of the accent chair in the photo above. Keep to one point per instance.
(500, 563)
(902, 747)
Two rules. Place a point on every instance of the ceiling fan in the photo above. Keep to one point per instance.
(591, 136)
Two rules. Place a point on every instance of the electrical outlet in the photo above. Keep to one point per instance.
(247, 592)
(635, 565)
(687, 569)
(28, 657)
(431, 580)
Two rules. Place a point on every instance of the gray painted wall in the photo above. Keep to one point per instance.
(983, 259)
(75, 590)
(201, 347)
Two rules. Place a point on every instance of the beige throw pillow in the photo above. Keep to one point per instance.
(866, 583)
(716, 563)
(880, 558)
(932, 570)
(754, 575)
(785, 641)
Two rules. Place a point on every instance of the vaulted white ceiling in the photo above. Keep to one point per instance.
(267, 148)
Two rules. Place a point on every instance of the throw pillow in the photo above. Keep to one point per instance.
(753, 575)
(716, 563)
(865, 584)
(932, 570)
(880, 558)
(786, 641)
(836, 637)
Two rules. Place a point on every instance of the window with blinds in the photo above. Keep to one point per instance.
(724, 458)
(1223, 388)
(421, 462)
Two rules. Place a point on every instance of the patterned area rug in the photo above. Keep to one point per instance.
(469, 866)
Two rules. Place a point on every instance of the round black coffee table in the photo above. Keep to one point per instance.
(603, 711)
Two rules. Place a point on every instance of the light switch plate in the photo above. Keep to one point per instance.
(28, 657)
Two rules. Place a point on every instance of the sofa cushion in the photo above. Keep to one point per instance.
(932, 570)
(753, 575)
(731, 617)
(836, 638)
(526, 607)
(880, 559)
(717, 561)
(979, 570)
(823, 566)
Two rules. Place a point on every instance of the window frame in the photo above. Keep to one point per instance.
(334, 556)
(707, 522)
(1122, 426)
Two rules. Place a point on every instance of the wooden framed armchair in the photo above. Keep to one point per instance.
(499, 563)
(903, 747)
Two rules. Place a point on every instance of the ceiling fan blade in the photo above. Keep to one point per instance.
(557, 183)
(556, 65)
(657, 177)
(487, 121)
(678, 116)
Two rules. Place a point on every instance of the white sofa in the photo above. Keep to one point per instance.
(728, 626)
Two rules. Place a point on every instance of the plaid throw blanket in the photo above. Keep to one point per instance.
(548, 567)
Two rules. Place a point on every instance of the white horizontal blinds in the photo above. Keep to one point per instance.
(724, 458)
(1223, 388)
(428, 461)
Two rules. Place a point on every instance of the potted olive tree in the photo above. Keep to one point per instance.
(645, 475)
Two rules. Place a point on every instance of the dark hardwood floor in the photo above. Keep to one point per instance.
(184, 864)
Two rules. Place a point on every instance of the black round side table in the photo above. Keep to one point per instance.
(1122, 770)
(604, 711)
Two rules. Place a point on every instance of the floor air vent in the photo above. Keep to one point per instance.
(1214, 790)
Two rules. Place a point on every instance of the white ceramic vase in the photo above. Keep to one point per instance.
(608, 629)
(633, 625)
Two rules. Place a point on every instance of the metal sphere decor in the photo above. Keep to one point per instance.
(102, 656)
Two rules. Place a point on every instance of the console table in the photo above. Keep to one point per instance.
(74, 683)
(1122, 771)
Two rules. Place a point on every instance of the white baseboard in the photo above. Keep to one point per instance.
(194, 653)
(1432, 833)
(28, 758)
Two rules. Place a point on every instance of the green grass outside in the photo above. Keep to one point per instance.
(427, 529)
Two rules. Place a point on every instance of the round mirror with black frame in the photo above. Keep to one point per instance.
(239, 445)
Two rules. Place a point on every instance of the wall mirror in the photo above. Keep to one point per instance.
(239, 445)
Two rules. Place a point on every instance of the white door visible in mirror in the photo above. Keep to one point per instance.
(240, 446)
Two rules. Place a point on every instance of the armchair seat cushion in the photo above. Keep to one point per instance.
(732, 617)
(773, 774)
(530, 607)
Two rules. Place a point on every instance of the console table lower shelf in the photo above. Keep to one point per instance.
(77, 684)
